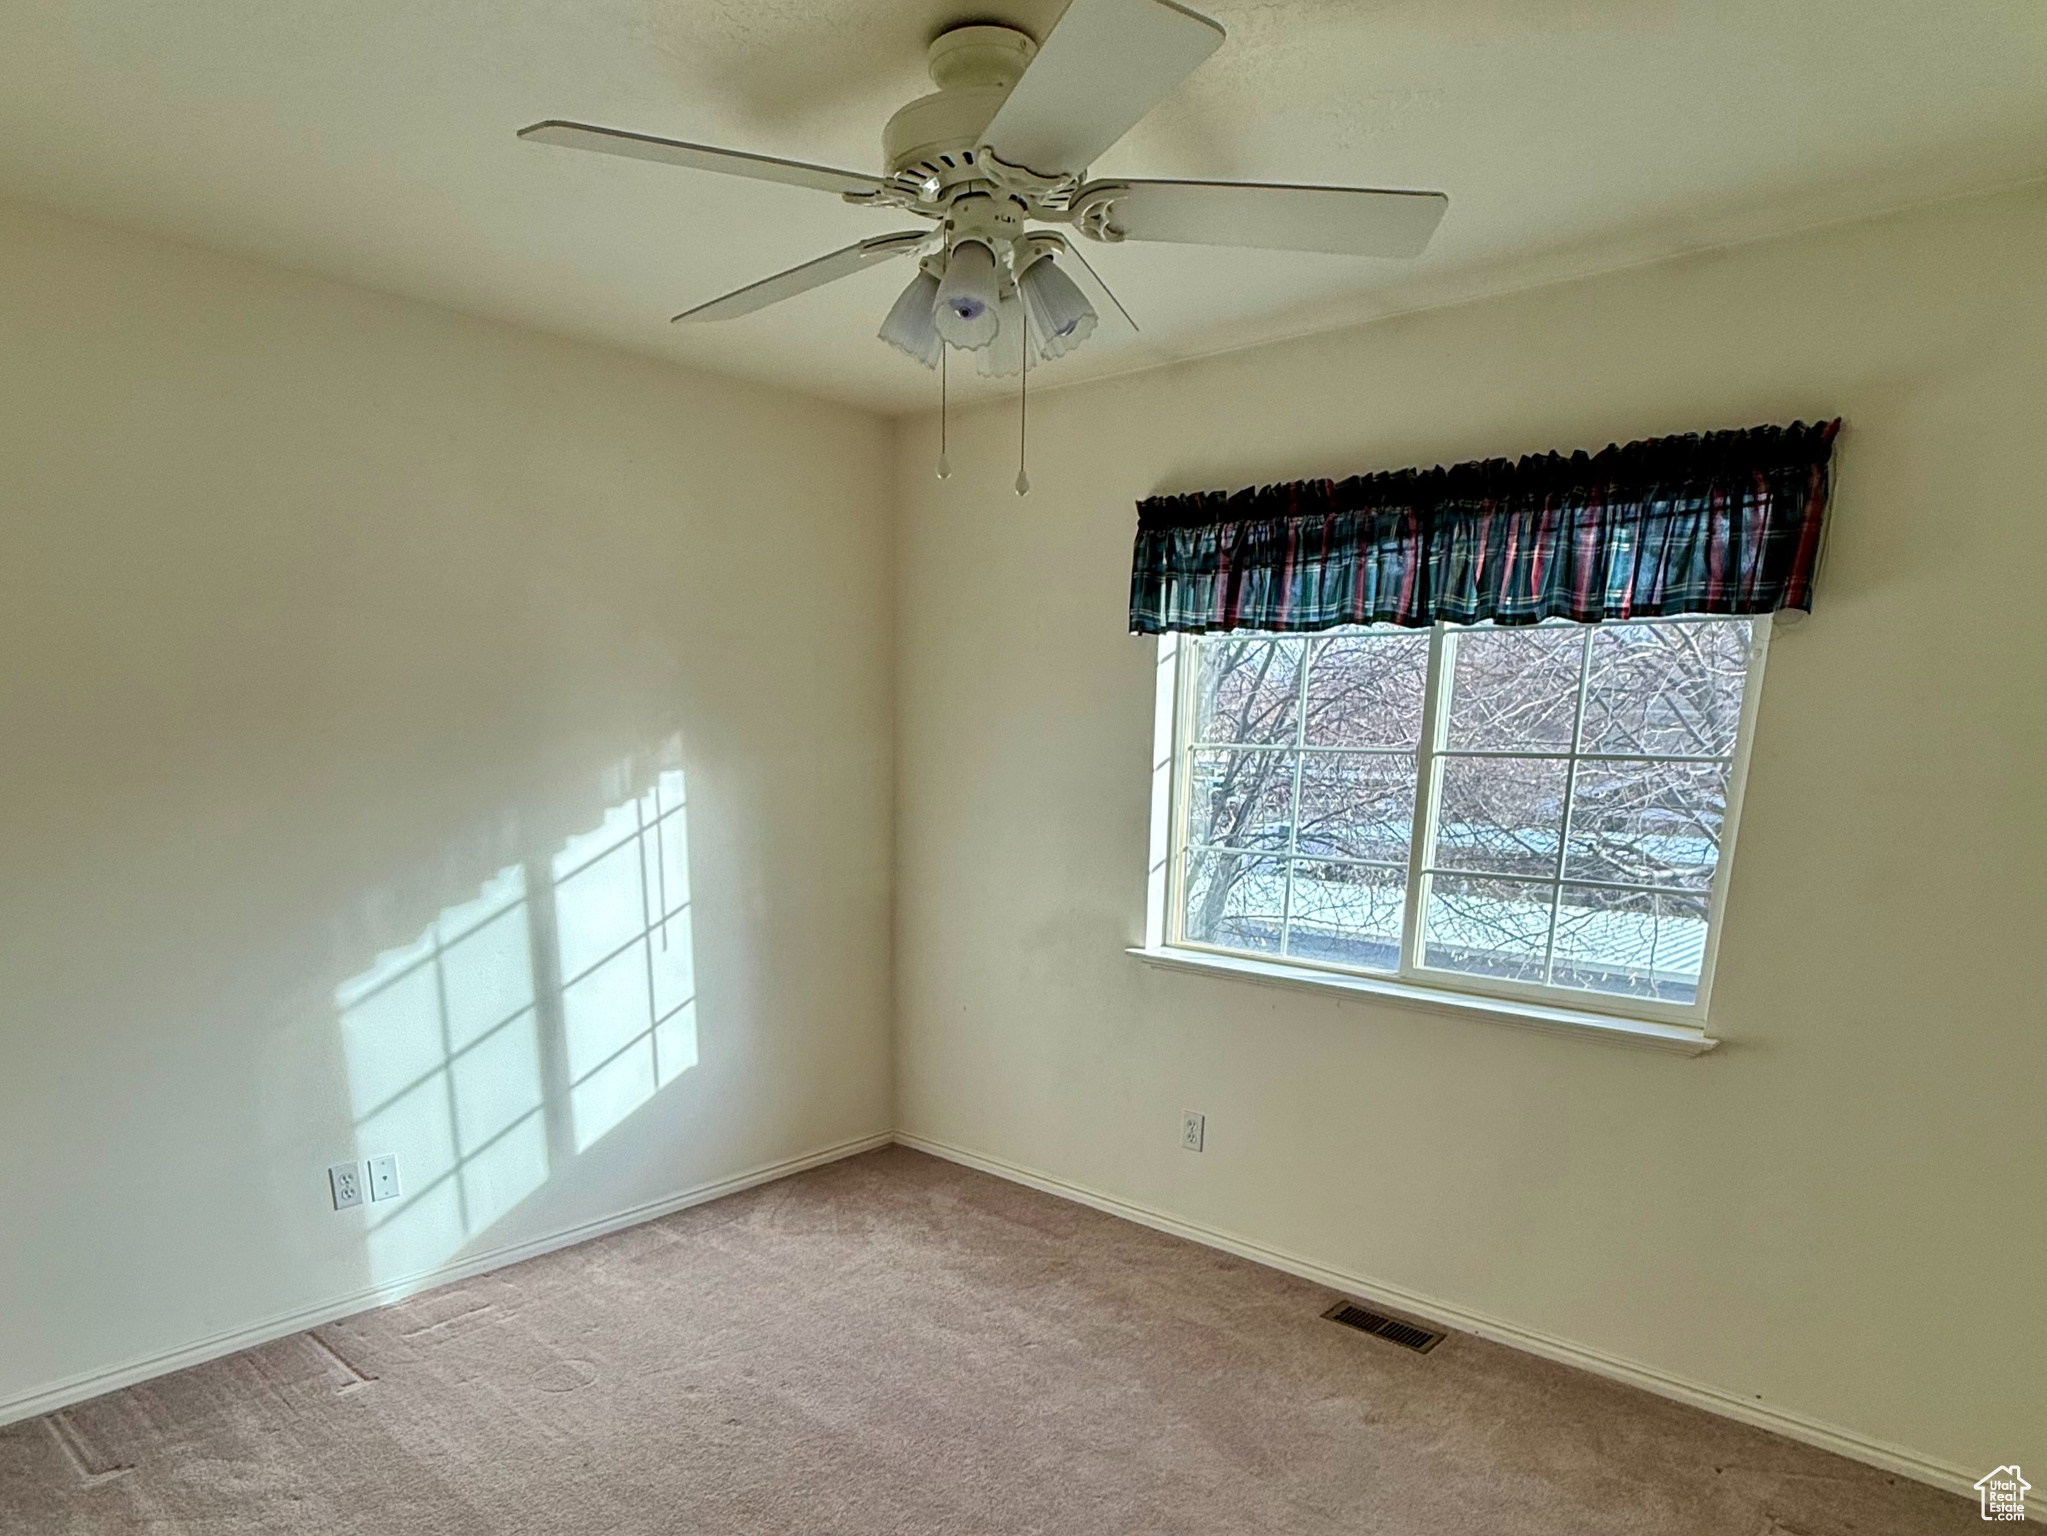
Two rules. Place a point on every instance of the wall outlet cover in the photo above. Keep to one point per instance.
(344, 1182)
(1193, 1130)
(384, 1177)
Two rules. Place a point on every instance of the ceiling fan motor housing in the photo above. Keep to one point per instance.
(975, 69)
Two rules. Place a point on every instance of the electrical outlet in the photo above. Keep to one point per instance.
(384, 1177)
(1193, 1128)
(344, 1180)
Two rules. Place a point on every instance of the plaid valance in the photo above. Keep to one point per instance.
(1717, 522)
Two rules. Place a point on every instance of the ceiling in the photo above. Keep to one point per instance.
(372, 141)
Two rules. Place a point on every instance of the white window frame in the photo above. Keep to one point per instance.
(1678, 1026)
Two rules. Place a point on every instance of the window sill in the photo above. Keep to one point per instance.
(1680, 1039)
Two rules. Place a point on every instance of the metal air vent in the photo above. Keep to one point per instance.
(1408, 1335)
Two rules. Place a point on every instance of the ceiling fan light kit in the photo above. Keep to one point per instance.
(1006, 141)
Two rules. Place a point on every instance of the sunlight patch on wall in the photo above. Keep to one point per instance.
(521, 1027)
(622, 920)
(444, 1069)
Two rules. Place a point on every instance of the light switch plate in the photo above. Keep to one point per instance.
(384, 1177)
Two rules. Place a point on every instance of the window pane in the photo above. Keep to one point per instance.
(1500, 814)
(1640, 944)
(1241, 799)
(1647, 823)
(1235, 900)
(1494, 928)
(1356, 807)
(1366, 690)
(1347, 914)
(1247, 690)
(1515, 689)
(1666, 689)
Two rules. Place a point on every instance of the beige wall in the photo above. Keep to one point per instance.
(1838, 1215)
(319, 608)
(316, 609)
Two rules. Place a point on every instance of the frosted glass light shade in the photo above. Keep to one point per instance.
(966, 315)
(1059, 311)
(912, 327)
(1003, 357)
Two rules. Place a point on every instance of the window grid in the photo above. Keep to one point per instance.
(1559, 880)
(1289, 856)
(1430, 753)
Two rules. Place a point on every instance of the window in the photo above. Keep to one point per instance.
(1532, 812)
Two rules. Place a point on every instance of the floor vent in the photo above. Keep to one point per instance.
(1408, 1335)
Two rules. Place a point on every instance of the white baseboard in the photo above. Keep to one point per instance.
(77, 1389)
(1782, 1421)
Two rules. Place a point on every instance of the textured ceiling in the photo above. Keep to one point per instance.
(372, 141)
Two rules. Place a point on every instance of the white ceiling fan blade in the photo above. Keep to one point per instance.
(1346, 221)
(698, 157)
(1105, 64)
(812, 274)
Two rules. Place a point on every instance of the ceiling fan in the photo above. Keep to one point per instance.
(1004, 143)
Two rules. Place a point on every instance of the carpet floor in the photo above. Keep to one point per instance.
(892, 1344)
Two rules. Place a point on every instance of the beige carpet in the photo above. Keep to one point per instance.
(892, 1344)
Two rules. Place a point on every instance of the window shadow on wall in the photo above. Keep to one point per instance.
(522, 1027)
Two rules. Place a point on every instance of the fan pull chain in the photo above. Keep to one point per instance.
(1023, 418)
(944, 463)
